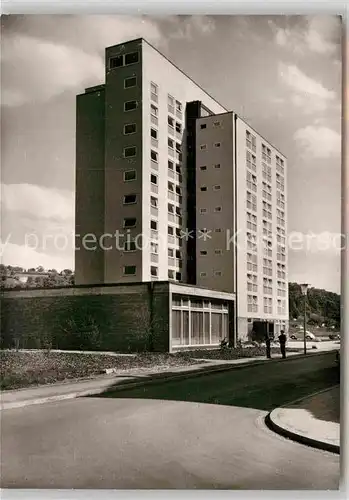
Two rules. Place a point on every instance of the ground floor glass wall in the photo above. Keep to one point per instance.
(198, 322)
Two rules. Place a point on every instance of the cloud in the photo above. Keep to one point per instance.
(38, 202)
(319, 34)
(52, 66)
(318, 142)
(27, 257)
(190, 26)
(308, 94)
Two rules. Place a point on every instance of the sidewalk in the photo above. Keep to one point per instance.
(313, 421)
(128, 378)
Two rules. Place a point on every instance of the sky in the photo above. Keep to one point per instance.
(281, 73)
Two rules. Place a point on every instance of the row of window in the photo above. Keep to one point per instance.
(217, 274)
(216, 124)
(216, 210)
(217, 251)
(123, 60)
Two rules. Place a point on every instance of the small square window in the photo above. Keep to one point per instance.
(203, 126)
(203, 167)
(178, 127)
(154, 225)
(217, 144)
(203, 147)
(203, 252)
(218, 252)
(129, 199)
(170, 121)
(218, 273)
(116, 62)
(153, 271)
(216, 188)
(170, 165)
(178, 276)
(153, 133)
(170, 143)
(170, 230)
(130, 246)
(154, 156)
(130, 175)
(154, 110)
(217, 124)
(153, 179)
(203, 275)
(130, 82)
(130, 270)
(153, 201)
(154, 88)
(130, 151)
(130, 222)
(218, 209)
(218, 230)
(203, 210)
(203, 188)
(170, 252)
(131, 58)
(170, 274)
(130, 128)
(130, 105)
(218, 165)
(179, 106)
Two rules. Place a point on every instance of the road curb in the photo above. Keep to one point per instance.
(274, 423)
(152, 380)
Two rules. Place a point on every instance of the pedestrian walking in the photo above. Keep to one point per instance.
(282, 341)
(267, 345)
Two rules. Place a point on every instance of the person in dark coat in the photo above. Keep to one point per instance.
(267, 345)
(282, 341)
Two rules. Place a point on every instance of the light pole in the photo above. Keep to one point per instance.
(304, 289)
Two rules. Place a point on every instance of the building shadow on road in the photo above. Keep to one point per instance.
(255, 387)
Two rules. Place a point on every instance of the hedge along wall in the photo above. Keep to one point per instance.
(125, 318)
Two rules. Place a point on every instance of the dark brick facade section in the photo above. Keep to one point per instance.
(91, 318)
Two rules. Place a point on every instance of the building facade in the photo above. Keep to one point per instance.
(165, 177)
(241, 210)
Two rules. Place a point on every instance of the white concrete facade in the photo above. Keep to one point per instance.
(170, 82)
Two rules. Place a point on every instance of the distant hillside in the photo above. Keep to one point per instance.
(322, 306)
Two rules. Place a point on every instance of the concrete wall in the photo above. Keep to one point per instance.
(116, 318)
(89, 197)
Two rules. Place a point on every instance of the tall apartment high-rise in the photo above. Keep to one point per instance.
(148, 143)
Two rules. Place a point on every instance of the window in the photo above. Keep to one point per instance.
(154, 225)
(178, 276)
(170, 100)
(218, 273)
(130, 151)
(154, 156)
(218, 230)
(170, 143)
(218, 252)
(217, 144)
(170, 121)
(170, 208)
(154, 201)
(179, 106)
(131, 58)
(170, 230)
(130, 105)
(129, 199)
(130, 222)
(178, 147)
(170, 165)
(203, 210)
(170, 252)
(130, 128)
(216, 188)
(153, 133)
(203, 125)
(203, 147)
(218, 209)
(130, 82)
(154, 110)
(170, 186)
(154, 247)
(153, 179)
(203, 275)
(130, 175)
(154, 88)
(178, 127)
(130, 246)
(203, 167)
(170, 274)
(116, 62)
(217, 124)
(129, 270)
(218, 165)
(153, 271)
(203, 252)
(203, 188)
(178, 254)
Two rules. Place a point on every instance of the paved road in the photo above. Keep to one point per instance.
(160, 441)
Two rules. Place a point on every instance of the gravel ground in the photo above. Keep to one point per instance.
(24, 369)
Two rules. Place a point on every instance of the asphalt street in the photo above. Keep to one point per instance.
(172, 436)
